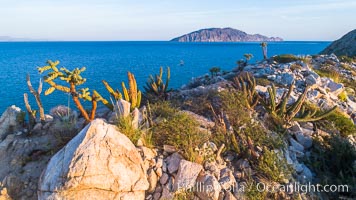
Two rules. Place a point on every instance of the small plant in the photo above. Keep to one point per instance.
(293, 112)
(273, 166)
(264, 49)
(295, 67)
(214, 71)
(343, 96)
(248, 57)
(132, 95)
(340, 122)
(36, 94)
(178, 129)
(329, 72)
(246, 83)
(285, 58)
(263, 81)
(156, 88)
(333, 159)
(74, 79)
(346, 59)
(126, 127)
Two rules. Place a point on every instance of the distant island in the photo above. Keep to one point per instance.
(14, 39)
(223, 35)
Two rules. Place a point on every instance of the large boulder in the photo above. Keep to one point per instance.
(100, 163)
(10, 121)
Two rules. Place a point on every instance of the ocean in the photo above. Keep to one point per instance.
(112, 60)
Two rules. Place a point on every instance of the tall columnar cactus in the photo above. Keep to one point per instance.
(264, 49)
(74, 79)
(36, 94)
(156, 88)
(245, 83)
(293, 112)
(132, 95)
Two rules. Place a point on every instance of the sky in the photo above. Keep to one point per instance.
(123, 20)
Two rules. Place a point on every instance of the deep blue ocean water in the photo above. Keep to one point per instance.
(112, 60)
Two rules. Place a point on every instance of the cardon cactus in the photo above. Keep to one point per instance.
(74, 79)
(156, 88)
(245, 83)
(132, 95)
(293, 112)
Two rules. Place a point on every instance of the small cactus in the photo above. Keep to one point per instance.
(293, 112)
(73, 78)
(156, 88)
(245, 83)
(132, 95)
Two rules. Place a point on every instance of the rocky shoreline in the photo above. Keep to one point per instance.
(62, 158)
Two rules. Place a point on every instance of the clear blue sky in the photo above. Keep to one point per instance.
(165, 19)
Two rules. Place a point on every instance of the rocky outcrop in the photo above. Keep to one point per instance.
(100, 163)
(10, 121)
(223, 35)
(346, 45)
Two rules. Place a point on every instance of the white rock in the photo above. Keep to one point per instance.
(9, 121)
(208, 187)
(100, 163)
(304, 139)
(187, 175)
(173, 162)
(296, 145)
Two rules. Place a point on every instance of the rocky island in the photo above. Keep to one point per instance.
(223, 35)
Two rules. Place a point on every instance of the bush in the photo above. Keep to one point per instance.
(273, 166)
(343, 96)
(333, 159)
(341, 123)
(346, 59)
(125, 126)
(330, 73)
(263, 81)
(177, 129)
(285, 58)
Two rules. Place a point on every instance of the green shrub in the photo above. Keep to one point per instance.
(125, 126)
(342, 123)
(263, 81)
(273, 166)
(333, 160)
(177, 129)
(214, 71)
(285, 58)
(346, 59)
(330, 73)
(343, 96)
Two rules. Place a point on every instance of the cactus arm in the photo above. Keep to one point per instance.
(124, 90)
(31, 114)
(283, 105)
(111, 91)
(103, 100)
(316, 118)
(167, 79)
(37, 97)
(94, 104)
(77, 102)
(59, 87)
